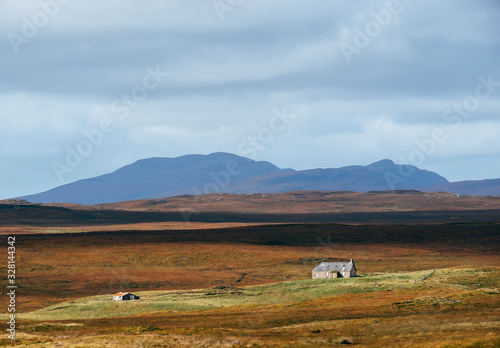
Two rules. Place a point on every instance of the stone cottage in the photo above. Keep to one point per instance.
(345, 269)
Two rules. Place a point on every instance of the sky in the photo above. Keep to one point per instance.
(87, 87)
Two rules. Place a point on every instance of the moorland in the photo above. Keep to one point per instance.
(234, 271)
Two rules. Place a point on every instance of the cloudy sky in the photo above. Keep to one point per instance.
(89, 86)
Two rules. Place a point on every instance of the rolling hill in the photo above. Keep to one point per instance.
(224, 172)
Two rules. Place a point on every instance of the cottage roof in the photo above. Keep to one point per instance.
(345, 266)
(121, 294)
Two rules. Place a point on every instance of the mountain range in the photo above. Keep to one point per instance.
(488, 187)
(229, 173)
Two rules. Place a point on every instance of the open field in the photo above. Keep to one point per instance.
(298, 202)
(300, 207)
(60, 275)
(430, 283)
(313, 202)
(26, 219)
(105, 227)
(99, 307)
(433, 308)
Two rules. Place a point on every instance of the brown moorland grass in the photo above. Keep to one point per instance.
(56, 267)
(226, 210)
(71, 261)
(144, 226)
(313, 202)
(427, 313)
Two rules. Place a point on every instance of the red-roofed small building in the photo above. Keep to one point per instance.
(125, 296)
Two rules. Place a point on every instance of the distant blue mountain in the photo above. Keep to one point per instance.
(224, 172)
(379, 176)
(488, 187)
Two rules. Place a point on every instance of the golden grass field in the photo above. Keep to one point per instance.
(233, 284)
(454, 306)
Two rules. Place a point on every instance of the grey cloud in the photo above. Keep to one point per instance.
(226, 77)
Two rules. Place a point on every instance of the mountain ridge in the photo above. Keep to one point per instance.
(487, 187)
(196, 174)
